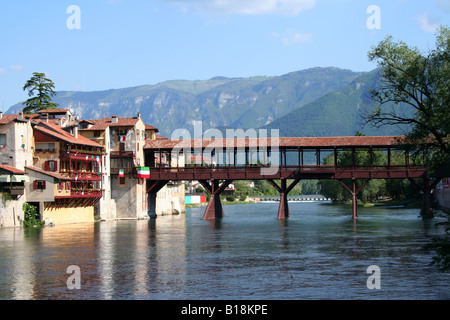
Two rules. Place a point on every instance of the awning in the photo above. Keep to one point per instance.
(14, 178)
(20, 178)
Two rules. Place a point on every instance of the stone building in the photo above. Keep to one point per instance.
(76, 170)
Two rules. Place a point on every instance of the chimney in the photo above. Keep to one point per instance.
(1, 115)
(20, 115)
(139, 115)
(60, 122)
(44, 117)
(75, 132)
(114, 119)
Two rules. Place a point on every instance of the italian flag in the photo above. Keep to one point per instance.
(143, 172)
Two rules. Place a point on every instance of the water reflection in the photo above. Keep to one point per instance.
(318, 253)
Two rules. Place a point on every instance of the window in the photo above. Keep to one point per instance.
(39, 185)
(45, 147)
(2, 140)
(122, 180)
(51, 165)
(122, 132)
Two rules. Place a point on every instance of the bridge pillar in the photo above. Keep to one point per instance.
(426, 187)
(283, 189)
(153, 187)
(354, 193)
(214, 208)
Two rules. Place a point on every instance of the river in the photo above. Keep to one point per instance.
(318, 253)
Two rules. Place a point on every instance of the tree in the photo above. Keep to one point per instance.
(40, 89)
(416, 85)
(419, 83)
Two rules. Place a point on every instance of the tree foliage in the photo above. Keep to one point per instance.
(40, 90)
(418, 85)
(375, 188)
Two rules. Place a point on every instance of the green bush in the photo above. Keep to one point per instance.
(31, 217)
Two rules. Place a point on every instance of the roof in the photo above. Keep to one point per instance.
(283, 142)
(12, 170)
(58, 133)
(51, 174)
(54, 111)
(103, 123)
(6, 118)
(149, 127)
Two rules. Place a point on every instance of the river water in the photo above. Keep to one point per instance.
(318, 253)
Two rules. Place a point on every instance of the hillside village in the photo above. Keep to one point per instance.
(78, 170)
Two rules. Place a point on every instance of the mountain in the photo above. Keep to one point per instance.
(218, 102)
(338, 113)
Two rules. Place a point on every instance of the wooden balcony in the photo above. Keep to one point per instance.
(83, 193)
(86, 176)
(121, 154)
(85, 156)
(16, 192)
(129, 170)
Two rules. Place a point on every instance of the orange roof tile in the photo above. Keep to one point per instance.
(51, 174)
(103, 123)
(6, 118)
(53, 111)
(286, 142)
(12, 169)
(58, 133)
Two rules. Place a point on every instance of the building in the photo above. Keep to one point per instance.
(66, 174)
(124, 140)
(76, 170)
(16, 147)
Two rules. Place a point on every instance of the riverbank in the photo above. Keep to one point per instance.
(224, 202)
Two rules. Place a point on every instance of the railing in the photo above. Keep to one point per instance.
(283, 171)
(91, 176)
(129, 170)
(120, 154)
(86, 156)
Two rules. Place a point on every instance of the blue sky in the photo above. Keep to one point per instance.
(125, 43)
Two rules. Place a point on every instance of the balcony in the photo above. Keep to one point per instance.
(121, 154)
(81, 156)
(13, 190)
(83, 193)
(129, 170)
(89, 176)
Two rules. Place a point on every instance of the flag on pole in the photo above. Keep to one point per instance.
(121, 173)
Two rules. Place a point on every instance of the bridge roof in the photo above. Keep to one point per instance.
(283, 142)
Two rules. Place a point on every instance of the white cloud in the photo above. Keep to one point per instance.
(1, 71)
(16, 68)
(250, 7)
(428, 22)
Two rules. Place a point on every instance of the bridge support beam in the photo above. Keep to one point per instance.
(426, 187)
(354, 193)
(214, 208)
(153, 186)
(283, 189)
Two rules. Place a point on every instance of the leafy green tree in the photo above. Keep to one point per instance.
(40, 89)
(418, 86)
(242, 189)
(31, 216)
